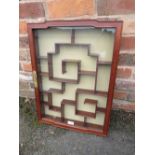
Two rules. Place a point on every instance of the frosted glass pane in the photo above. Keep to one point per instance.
(70, 113)
(84, 51)
(48, 83)
(47, 39)
(101, 42)
(51, 112)
(103, 78)
(98, 120)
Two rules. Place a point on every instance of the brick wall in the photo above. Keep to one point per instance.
(48, 10)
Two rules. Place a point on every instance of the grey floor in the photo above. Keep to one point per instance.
(47, 140)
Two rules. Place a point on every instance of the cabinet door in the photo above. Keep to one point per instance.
(75, 67)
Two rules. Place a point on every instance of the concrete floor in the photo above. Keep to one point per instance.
(48, 140)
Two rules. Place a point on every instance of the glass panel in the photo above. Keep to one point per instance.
(103, 78)
(75, 66)
(101, 42)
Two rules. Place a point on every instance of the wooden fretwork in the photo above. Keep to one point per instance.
(62, 121)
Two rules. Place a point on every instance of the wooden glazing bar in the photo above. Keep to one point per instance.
(85, 113)
(104, 63)
(98, 109)
(42, 58)
(73, 36)
(50, 66)
(90, 73)
(90, 101)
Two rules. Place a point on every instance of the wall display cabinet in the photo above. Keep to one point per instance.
(74, 69)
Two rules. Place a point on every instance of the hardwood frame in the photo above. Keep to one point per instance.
(84, 23)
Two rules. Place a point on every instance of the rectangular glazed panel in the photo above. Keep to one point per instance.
(76, 70)
(101, 41)
(101, 44)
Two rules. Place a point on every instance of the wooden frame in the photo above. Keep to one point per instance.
(61, 122)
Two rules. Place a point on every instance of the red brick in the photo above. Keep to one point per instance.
(126, 107)
(124, 95)
(22, 27)
(27, 93)
(133, 73)
(126, 59)
(125, 85)
(120, 95)
(24, 85)
(20, 67)
(27, 76)
(124, 72)
(121, 6)
(32, 85)
(129, 26)
(128, 43)
(31, 10)
(70, 8)
(101, 7)
(26, 66)
(110, 7)
(24, 55)
(23, 42)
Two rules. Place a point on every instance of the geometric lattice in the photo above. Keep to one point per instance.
(51, 91)
(74, 74)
